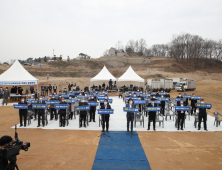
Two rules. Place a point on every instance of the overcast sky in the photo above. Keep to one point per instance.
(33, 28)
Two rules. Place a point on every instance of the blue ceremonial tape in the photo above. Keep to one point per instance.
(182, 108)
(195, 97)
(178, 99)
(128, 109)
(162, 93)
(156, 101)
(109, 101)
(61, 106)
(105, 111)
(204, 105)
(53, 102)
(134, 98)
(56, 95)
(163, 99)
(186, 96)
(140, 102)
(153, 109)
(82, 108)
(20, 106)
(70, 100)
(38, 106)
(93, 103)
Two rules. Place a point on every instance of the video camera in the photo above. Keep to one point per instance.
(12, 149)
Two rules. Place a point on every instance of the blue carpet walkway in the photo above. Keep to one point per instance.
(120, 151)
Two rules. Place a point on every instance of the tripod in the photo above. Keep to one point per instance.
(12, 165)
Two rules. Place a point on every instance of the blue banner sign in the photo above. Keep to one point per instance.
(156, 101)
(38, 106)
(153, 109)
(53, 102)
(163, 99)
(20, 106)
(82, 108)
(56, 95)
(204, 105)
(70, 100)
(93, 103)
(148, 98)
(140, 102)
(134, 98)
(105, 111)
(182, 108)
(45, 99)
(80, 96)
(144, 95)
(153, 93)
(128, 109)
(29, 100)
(195, 97)
(34, 101)
(89, 95)
(186, 96)
(162, 93)
(61, 106)
(178, 99)
(109, 101)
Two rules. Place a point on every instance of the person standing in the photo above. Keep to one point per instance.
(1, 93)
(6, 96)
(92, 109)
(181, 115)
(69, 87)
(41, 112)
(42, 89)
(152, 114)
(46, 90)
(193, 105)
(50, 89)
(110, 84)
(83, 113)
(20, 90)
(54, 88)
(62, 114)
(130, 115)
(162, 106)
(71, 108)
(27, 90)
(52, 109)
(22, 112)
(31, 89)
(179, 96)
(105, 117)
(202, 115)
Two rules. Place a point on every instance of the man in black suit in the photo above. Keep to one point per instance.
(193, 105)
(22, 112)
(62, 113)
(202, 115)
(181, 115)
(105, 117)
(50, 89)
(186, 102)
(52, 109)
(42, 90)
(152, 114)
(41, 112)
(130, 115)
(54, 88)
(92, 109)
(83, 113)
(162, 106)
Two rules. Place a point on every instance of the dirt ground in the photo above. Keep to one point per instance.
(71, 149)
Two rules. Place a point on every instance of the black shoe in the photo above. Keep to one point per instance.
(103, 131)
(20, 125)
(154, 129)
(94, 121)
(206, 129)
(90, 121)
(181, 128)
(85, 126)
(177, 128)
(148, 129)
(107, 130)
(63, 125)
(38, 126)
(198, 128)
(24, 125)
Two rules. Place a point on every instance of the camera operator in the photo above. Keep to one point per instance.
(4, 140)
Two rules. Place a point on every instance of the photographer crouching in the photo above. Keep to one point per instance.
(9, 149)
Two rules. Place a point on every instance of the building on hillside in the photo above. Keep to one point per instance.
(115, 52)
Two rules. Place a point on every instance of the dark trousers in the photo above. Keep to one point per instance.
(130, 118)
(46, 92)
(41, 114)
(152, 117)
(25, 116)
(163, 109)
(193, 109)
(35, 113)
(105, 118)
(71, 115)
(92, 113)
(53, 110)
(42, 92)
(204, 117)
(62, 117)
(82, 118)
(54, 90)
(32, 91)
(181, 117)
(50, 91)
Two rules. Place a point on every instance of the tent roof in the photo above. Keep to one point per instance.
(17, 75)
(130, 75)
(103, 75)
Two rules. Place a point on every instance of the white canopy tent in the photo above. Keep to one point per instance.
(130, 77)
(103, 76)
(17, 75)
